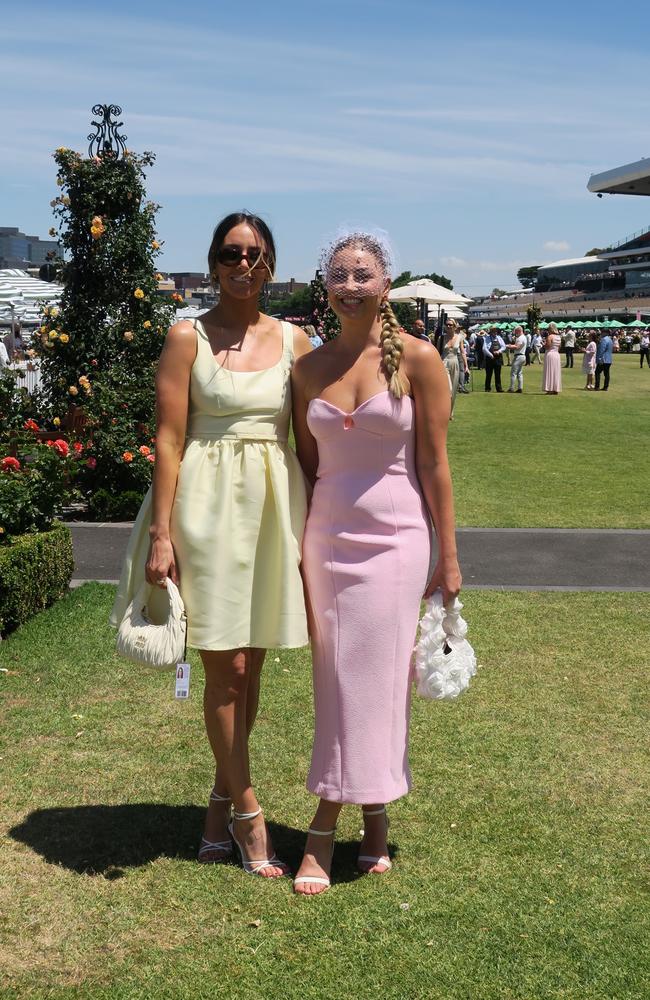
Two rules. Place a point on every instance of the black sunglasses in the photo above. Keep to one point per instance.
(231, 256)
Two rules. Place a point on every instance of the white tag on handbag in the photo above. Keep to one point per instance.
(182, 680)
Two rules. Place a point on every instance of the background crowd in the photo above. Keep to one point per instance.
(489, 349)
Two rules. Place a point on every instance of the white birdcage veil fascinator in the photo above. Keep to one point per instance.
(358, 250)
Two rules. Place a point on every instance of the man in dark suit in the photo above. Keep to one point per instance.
(493, 348)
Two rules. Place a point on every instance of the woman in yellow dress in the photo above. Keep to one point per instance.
(225, 516)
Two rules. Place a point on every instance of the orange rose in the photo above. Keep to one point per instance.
(127, 456)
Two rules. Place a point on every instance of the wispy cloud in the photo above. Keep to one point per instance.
(556, 245)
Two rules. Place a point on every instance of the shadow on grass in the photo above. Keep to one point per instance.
(105, 840)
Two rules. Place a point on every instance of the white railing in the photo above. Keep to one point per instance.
(29, 374)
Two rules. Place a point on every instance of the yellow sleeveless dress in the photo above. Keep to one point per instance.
(239, 511)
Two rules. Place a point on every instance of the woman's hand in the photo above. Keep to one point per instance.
(161, 563)
(446, 577)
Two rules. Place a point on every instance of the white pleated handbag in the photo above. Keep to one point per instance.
(444, 660)
(156, 644)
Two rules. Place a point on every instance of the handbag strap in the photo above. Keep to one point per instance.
(176, 606)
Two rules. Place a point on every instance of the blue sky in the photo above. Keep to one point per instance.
(468, 130)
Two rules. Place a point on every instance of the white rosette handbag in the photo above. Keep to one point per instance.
(444, 660)
(154, 640)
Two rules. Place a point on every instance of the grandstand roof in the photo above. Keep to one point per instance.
(569, 262)
(632, 178)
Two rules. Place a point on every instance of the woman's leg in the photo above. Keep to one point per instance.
(317, 858)
(375, 837)
(218, 814)
(230, 706)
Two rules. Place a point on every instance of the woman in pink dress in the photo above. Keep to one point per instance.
(370, 421)
(589, 360)
(552, 374)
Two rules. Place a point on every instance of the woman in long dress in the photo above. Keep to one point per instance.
(454, 358)
(370, 417)
(589, 359)
(225, 516)
(552, 372)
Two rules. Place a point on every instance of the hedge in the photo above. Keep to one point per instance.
(35, 571)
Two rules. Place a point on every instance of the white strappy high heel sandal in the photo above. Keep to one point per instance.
(225, 846)
(254, 867)
(316, 879)
(366, 858)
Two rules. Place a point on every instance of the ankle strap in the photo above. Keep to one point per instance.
(321, 833)
(215, 797)
(250, 815)
(374, 812)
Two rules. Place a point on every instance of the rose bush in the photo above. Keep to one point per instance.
(36, 480)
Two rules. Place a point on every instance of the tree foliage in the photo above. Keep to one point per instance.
(526, 275)
(298, 305)
(100, 348)
(533, 317)
(406, 276)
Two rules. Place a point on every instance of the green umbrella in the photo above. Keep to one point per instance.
(615, 323)
(637, 323)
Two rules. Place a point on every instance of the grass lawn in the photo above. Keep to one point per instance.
(518, 856)
(575, 460)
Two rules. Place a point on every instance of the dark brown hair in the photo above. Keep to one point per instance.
(257, 225)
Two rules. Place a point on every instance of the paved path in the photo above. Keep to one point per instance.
(508, 558)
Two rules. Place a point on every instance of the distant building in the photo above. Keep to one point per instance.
(188, 279)
(282, 289)
(629, 259)
(19, 250)
(623, 267)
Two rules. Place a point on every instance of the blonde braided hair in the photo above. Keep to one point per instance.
(392, 349)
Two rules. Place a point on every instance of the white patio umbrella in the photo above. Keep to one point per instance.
(426, 290)
(454, 312)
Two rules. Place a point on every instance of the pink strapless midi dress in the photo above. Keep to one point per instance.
(552, 372)
(366, 556)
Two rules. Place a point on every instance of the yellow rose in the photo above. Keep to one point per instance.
(53, 335)
(43, 329)
(62, 149)
(2, 530)
(54, 311)
(64, 338)
(156, 245)
(57, 420)
(139, 294)
(73, 390)
(128, 335)
(147, 324)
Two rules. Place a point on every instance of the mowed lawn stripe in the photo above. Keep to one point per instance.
(518, 856)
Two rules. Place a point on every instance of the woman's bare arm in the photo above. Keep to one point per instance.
(172, 401)
(430, 390)
(306, 447)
